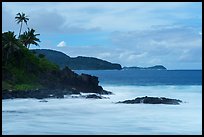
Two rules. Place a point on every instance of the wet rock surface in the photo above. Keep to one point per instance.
(43, 100)
(94, 96)
(47, 93)
(152, 100)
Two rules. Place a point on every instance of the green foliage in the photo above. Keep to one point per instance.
(26, 71)
(29, 37)
(34, 52)
(23, 68)
(21, 17)
(44, 64)
(9, 45)
(27, 60)
(6, 85)
(41, 55)
(22, 76)
(26, 86)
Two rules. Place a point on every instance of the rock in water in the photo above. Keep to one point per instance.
(94, 96)
(43, 100)
(152, 100)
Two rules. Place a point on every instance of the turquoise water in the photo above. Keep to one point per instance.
(74, 116)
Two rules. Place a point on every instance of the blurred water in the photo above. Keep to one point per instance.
(95, 116)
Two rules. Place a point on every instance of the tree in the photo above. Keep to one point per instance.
(29, 37)
(20, 18)
(9, 45)
(41, 56)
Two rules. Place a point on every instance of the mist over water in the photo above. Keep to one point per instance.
(76, 116)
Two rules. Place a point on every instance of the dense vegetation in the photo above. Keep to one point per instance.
(78, 63)
(21, 68)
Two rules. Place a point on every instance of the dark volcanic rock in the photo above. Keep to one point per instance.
(43, 100)
(94, 96)
(89, 84)
(83, 83)
(45, 93)
(38, 94)
(152, 100)
(90, 96)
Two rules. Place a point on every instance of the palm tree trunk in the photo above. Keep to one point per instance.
(20, 29)
(6, 59)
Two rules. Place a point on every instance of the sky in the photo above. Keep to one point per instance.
(129, 33)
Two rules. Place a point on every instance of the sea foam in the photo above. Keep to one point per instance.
(102, 116)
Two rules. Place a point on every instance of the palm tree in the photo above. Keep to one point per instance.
(20, 18)
(29, 37)
(24, 38)
(9, 45)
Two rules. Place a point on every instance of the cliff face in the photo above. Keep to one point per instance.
(66, 79)
(78, 63)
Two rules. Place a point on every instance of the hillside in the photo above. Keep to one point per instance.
(76, 63)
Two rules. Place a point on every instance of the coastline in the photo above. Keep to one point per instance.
(47, 93)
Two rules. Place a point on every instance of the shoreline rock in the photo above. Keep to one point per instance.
(152, 100)
(46, 93)
(94, 96)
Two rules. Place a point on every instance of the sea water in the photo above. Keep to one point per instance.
(76, 116)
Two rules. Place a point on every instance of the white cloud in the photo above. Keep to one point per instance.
(62, 44)
(174, 47)
(124, 16)
(162, 45)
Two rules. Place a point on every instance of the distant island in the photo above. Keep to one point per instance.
(76, 63)
(156, 67)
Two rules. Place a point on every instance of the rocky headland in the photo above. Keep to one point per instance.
(65, 82)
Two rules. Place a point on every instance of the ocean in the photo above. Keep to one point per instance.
(75, 116)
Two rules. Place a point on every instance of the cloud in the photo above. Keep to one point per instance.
(54, 22)
(8, 21)
(62, 44)
(164, 44)
(172, 46)
(93, 16)
(43, 22)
